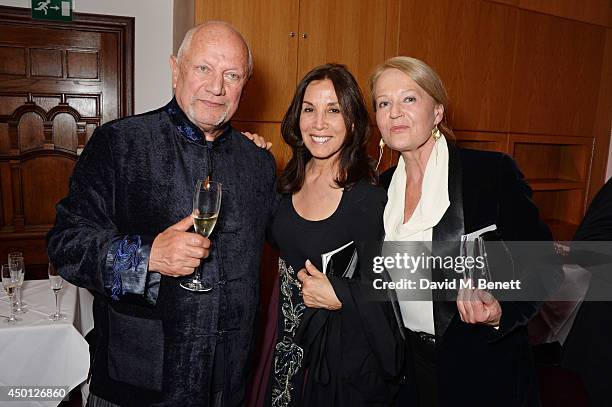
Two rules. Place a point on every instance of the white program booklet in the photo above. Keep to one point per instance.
(470, 237)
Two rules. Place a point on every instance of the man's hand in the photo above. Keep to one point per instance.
(176, 252)
(478, 307)
(317, 291)
(258, 140)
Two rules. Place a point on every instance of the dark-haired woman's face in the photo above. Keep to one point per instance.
(321, 121)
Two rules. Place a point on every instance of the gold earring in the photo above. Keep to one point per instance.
(435, 133)
(381, 145)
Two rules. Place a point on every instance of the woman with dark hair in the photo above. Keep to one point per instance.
(333, 346)
(352, 161)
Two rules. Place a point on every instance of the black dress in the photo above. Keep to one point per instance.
(354, 373)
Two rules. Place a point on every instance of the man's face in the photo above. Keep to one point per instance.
(209, 78)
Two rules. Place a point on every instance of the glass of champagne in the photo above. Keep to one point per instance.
(17, 267)
(9, 283)
(206, 206)
(56, 285)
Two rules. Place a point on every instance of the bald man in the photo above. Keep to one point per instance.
(125, 233)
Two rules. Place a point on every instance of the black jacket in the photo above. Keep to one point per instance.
(135, 178)
(478, 365)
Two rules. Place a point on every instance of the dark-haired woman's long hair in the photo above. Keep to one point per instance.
(354, 162)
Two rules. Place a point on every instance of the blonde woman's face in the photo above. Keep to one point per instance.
(405, 113)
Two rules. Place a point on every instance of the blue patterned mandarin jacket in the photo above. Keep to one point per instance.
(156, 341)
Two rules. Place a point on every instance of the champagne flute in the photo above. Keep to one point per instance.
(56, 285)
(206, 206)
(9, 283)
(16, 265)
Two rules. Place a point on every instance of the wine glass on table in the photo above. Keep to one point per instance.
(9, 283)
(56, 282)
(16, 264)
(206, 206)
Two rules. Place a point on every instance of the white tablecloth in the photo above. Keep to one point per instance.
(40, 352)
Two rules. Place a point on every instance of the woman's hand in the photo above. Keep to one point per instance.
(478, 307)
(317, 291)
(258, 140)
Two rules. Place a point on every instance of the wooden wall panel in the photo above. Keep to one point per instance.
(41, 191)
(110, 78)
(41, 36)
(392, 29)
(31, 133)
(274, 51)
(556, 75)
(13, 61)
(82, 64)
(5, 145)
(338, 31)
(6, 193)
(470, 44)
(10, 102)
(46, 63)
(87, 106)
(65, 132)
(47, 102)
(589, 11)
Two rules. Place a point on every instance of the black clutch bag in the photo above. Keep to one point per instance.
(341, 262)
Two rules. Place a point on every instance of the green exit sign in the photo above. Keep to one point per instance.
(52, 10)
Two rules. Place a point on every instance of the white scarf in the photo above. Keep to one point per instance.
(417, 315)
(431, 207)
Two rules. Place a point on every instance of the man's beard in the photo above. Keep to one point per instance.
(222, 118)
(216, 124)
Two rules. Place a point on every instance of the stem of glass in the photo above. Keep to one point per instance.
(18, 298)
(197, 275)
(57, 308)
(12, 318)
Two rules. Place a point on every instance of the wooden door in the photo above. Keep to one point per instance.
(58, 82)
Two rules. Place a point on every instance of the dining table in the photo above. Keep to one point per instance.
(42, 359)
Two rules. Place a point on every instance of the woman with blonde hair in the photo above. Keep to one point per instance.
(473, 350)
